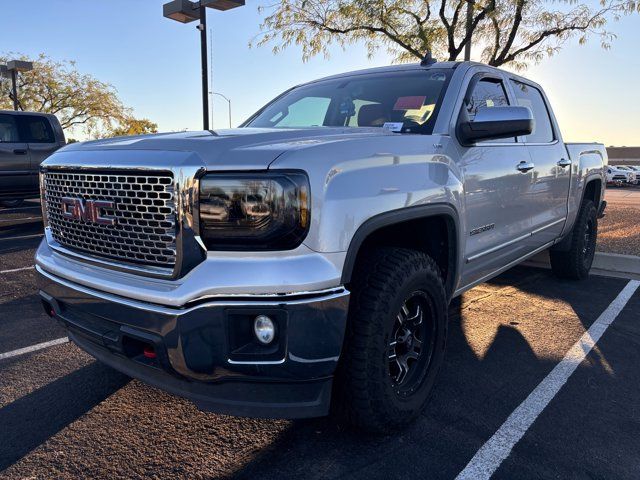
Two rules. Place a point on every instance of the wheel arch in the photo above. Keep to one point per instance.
(378, 229)
(592, 190)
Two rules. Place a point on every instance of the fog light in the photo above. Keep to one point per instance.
(264, 329)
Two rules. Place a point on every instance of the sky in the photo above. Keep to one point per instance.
(154, 63)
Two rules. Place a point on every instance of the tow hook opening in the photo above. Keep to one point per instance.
(139, 350)
(48, 308)
(149, 352)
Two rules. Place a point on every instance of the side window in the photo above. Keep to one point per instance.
(306, 111)
(8, 129)
(36, 129)
(528, 96)
(487, 93)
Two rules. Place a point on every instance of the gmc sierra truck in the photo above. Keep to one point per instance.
(303, 263)
(26, 140)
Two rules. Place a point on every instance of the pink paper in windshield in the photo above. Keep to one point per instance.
(409, 103)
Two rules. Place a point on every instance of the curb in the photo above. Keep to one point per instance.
(603, 262)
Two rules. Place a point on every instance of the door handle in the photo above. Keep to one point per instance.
(564, 162)
(20, 151)
(524, 167)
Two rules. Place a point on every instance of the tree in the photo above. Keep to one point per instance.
(80, 101)
(133, 126)
(514, 32)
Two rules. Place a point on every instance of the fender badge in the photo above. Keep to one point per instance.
(484, 228)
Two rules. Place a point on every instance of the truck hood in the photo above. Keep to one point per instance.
(239, 148)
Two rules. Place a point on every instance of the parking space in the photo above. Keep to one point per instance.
(63, 415)
(590, 430)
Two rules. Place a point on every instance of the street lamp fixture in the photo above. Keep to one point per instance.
(11, 70)
(228, 102)
(19, 65)
(186, 11)
(222, 4)
(183, 11)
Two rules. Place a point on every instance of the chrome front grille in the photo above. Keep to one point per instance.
(141, 206)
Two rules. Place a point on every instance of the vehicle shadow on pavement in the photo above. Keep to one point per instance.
(10, 245)
(504, 337)
(479, 386)
(30, 420)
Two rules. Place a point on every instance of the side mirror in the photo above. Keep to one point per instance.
(496, 122)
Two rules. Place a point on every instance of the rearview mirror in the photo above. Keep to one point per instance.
(496, 122)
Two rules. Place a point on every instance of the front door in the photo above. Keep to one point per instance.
(496, 192)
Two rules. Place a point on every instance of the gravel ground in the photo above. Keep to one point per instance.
(619, 230)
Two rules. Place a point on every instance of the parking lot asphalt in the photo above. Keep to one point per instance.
(64, 415)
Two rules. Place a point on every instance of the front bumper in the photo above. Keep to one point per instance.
(203, 352)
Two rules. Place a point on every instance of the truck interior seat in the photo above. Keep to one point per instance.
(371, 115)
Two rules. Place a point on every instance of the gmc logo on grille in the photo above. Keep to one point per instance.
(88, 211)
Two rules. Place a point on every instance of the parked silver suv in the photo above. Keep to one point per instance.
(307, 259)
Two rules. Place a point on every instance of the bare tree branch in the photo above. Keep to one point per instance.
(507, 31)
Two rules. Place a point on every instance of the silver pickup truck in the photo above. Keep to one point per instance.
(304, 262)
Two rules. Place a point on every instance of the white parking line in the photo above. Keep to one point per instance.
(17, 269)
(491, 455)
(33, 348)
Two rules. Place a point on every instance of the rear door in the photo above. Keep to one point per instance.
(552, 166)
(37, 131)
(496, 193)
(15, 165)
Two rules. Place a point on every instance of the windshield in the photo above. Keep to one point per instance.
(399, 101)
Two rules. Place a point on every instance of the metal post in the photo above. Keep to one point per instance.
(14, 86)
(228, 101)
(203, 55)
(467, 47)
(211, 74)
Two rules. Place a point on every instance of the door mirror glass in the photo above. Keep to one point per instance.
(492, 123)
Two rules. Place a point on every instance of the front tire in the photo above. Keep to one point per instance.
(395, 339)
(575, 263)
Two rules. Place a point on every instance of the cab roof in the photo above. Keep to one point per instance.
(404, 67)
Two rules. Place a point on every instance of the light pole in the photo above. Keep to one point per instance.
(467, 47)
(186, 11)
(228, 101)
(11, 69)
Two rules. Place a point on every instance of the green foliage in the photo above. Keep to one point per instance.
(515, 32)
(81, 102)
(133, 126)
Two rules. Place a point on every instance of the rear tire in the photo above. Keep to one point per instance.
(395, 340)
(575, 263)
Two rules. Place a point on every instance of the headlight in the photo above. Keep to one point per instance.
(254, 211)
